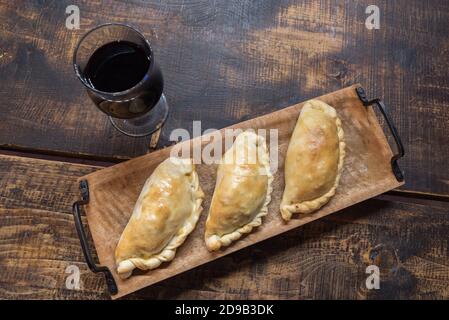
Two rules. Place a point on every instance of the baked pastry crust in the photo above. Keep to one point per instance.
(242, 191)
(165, 213)
(314, 160)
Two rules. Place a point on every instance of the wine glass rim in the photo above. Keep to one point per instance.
(77, 67)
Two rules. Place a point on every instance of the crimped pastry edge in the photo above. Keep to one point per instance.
(126, 267)
(312, 205)
(214, 242)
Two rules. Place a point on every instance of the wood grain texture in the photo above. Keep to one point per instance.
(36, 247)
(228, 61)
(327, 259)
(114, 191)
(37, 236)
(323, 259)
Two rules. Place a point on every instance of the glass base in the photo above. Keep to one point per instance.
(146, 124)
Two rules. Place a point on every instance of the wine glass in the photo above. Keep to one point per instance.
(116, 65)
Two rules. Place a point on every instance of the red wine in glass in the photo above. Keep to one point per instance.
(116, 65)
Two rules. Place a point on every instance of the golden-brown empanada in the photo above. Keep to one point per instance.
(165, 213)
(242, 191)
(314, 159)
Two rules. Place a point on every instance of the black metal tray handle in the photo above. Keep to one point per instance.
(400, 148)
(112, 286)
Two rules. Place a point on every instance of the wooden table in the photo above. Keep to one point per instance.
(224, 62)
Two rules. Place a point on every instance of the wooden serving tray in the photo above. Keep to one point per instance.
(367, 172)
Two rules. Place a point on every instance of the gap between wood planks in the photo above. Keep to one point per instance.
(399, 195)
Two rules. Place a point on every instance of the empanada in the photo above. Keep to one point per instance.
(242, 191)
(314, 159)
(165, 213)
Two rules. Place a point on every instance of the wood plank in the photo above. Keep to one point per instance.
(228, 61)
(36, 248)
(324, 259)
(327, 259)
(39, 184)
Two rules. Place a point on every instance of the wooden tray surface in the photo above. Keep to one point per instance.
(114, 190)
